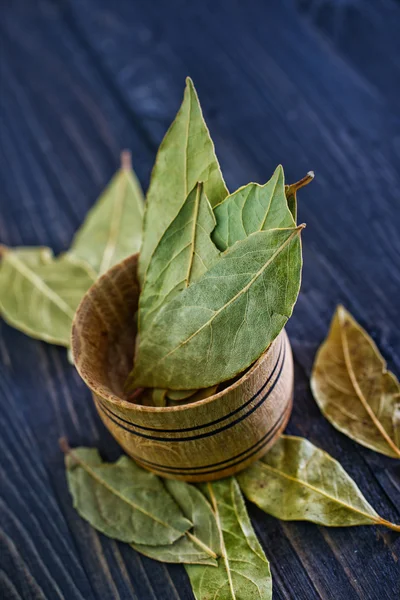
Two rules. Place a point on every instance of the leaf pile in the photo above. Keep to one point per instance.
(220, 273)
(207, 528)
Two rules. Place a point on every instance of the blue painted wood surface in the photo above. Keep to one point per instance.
(311, 84)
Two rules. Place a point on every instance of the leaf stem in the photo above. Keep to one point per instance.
(294, 187)
(126, 162)
(388, 524)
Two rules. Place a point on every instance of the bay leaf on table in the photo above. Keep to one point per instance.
(251, 208)
(40, 293)
(291, 193)
(353, 388)
(243, 570)
(186, 156)
(122, 500)
(225, 320)
(183, 254)
(112, 229)
(201, 545)
(295, 481)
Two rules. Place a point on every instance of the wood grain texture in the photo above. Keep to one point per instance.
(82, 79)
(209, 439)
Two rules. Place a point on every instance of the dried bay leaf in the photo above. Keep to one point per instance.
(186, 156)
(183, 254)
(243, 571)
(123, 500)
(159, 397)
(40, 293)
(200, 394)
(112, 229)
(178, 395)
(200, 545)
(251, 208)
(223, 322)
(295, 480)
(354, 390)
(291, 193)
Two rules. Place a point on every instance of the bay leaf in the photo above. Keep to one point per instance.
(123, 500)
(200, 545)
(243, 570)
(251, 208)
(112, 229)
(183, 254)
(186, 156)
(178, 395)
(159, 397)
(353, 388)
(295, 480)
(150, 397)
(198, 395)
(40, 293)
(291, 192)
(225, 320)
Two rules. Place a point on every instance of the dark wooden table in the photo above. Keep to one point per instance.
(310, 84)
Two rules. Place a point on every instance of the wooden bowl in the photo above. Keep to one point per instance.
(206, 440)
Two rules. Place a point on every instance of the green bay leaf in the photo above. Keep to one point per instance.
(201, 545)
(243, 570)
(186, 156)
(252, 208)
(179, 395)
(123, 500)
(40, 293)
(354, 390)
(295, 480)
(183, 254)
(112, 229)
(225, 320)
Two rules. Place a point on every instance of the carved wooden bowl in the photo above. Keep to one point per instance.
(205, 440)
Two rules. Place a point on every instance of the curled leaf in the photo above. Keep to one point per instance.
(112, 229)
(225, 320)
(354, 390)
(251, 208)
(186, 156)
(122, 500)
(295, 480)
(40, 293)
(243, 569)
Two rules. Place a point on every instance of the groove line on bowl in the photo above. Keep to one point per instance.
(201, 470)
(107, 411)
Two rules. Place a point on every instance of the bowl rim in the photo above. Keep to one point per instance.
(131, 406)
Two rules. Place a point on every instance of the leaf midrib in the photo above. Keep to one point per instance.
(40, 285)
(222, 542)
(372, 517)
(193, 236)
(117, 210)
(358, 391)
